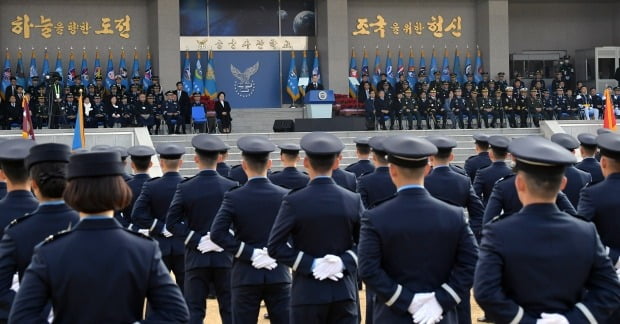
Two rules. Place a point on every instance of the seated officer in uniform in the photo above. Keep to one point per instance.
(392, 247)
(47, 165)
(575, 179)
(589, 164)
(480, 160)
(363, 164)
(191, 215)
(322, 237)
(150, 209)
(542, 265)
(19, 199)
(486, 178)
(140, 164)
(289, 177)
(255, 275)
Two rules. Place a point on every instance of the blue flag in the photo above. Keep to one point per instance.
(389, 69)
(97, 72)
(376, 76)
(292, 87)
(186, 78)
(19, 71)
(135, 69)
(33, 68)
(210, 85)
(457, 67)
(468, 67)
(422, 68)
(84, 71)
(79, 138)
(315, 66)
(400, 66)
(445, 67)
(109, 79)
(199, 82)
(122, 70)
(58, 68)
(304, 73)
(148, 71)
(364, 64)
(71, 73)
(6, 75)
(479, 67)
(45, 69)
(411, 75)
(353, 74)
(433, 67)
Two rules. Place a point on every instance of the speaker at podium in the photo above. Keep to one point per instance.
(319, 103)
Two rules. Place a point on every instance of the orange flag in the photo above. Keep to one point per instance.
(609, 115)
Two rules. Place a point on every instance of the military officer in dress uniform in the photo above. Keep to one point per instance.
(47, 164)
(191, 215)
(222, 167)
(289, 177)
(141, 164)
(535, 106)
(480, 160)
(172, 114)
(363, 164)
(485, 178)
(150, 209)
(19, 199)
(324, 286)
(406, 292)
(589, 164)
(527, 270)
(576, 179)
(98, 271)
(255, 275)
(485, 103)
(343, 178)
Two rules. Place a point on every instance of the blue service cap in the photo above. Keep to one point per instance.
(587, 139)
(499, 142)
(170, 151)
(408, 151)
(320, 143)
(565, 140)
(141, 151)
(376, 143)
(289, 147)
(537, 151)
(609, 143)
(48, 152)
(442, 142)
(15, 149)
(101, 148)
(362, 140)
(95, 164)
(209, 143)
(482, 138)
(603, 131)
(254, 144)
(122, 150)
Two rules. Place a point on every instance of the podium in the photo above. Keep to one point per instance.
(319, 103)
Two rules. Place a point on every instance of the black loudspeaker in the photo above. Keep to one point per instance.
(283, 125)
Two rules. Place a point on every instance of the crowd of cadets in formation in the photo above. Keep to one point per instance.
(118, 106)
(494, 103)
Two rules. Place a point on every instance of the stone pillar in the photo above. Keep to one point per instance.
(333, 44)
(164, 41)
(493, 37)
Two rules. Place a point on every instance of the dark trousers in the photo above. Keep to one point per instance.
(340, 312)
(246, 303)
(176, 264)
(522, 117)
(370, 305)
(172, 122)
(463, 310)
(197, 289)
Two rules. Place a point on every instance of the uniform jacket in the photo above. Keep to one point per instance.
(345, 179)
(475, 163)
(14, 205)
(486, 178)
(577, 180)
(376, 186)
(593, 167)
(290, 178)
(135, 184)
(360, 167)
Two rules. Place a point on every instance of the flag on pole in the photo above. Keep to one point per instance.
(364, 64)
(79, 138)
(19, 71)
(389, 69)
(411, 76)
(122, 70)
(292, 87)
(468, 67)
(199, 82)
(304, 73)
(445, 66)
(353, 74)
(315, 66)
(148, 71)
(58, 68)
(135, 69)
(84, 71)
(71, 73)
(457, 67)
(45, 69)
(609, 116)
(400, 66)
(433, 67)
(98, 72)
(423, 65)
(109, 79)
(33, 68)
(186, 78)
(210, 85)
(27, 128)
(479, 67)
(6, 75)
(376, 77)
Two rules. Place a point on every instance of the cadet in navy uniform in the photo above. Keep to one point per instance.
(150, 209)
(222, 168)
(124, 155)
(576, 179)
(140, 164)
(19, 199)
(481, 160)
(343, 178)
(289, 177)
(363, 164)
(323, 239)
(376, 186)
(541, 265)
(486, 177)
(117, 270)
(255, 275)
(237, 173)
(589, 163)
(405, 291)
(191, 215)
(47, 164)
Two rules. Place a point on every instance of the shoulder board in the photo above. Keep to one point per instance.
(234, 188)
(275, 172)
(152, 179)
(351, 165)
(185, 179)
(304, 172)
(232, 179)
(56, 236)
(367, 173)
(471, 157)
(235, 166)
(505, 178)
(379, 202)
(138, 234)
(293, 190)
(498, 217)
(18, 220)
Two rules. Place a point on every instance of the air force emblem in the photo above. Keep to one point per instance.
(244, 85)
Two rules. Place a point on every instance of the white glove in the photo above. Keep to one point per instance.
(419, 299)
(262, 260)
(144, 231)
(206, 245)
(618, 274)
(429, 313)
(547, 318)
(165, 232)
(329, 266)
